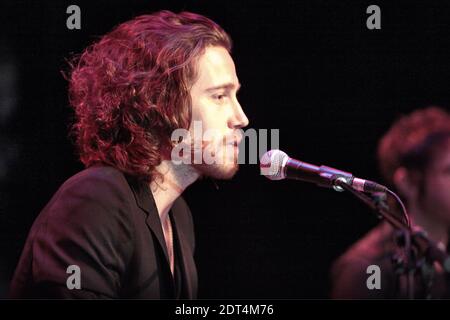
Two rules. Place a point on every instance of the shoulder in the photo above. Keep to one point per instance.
(96, 198)
(87, 223)
(92, 177)
(101, 184)
(349, 271)
(373, 246)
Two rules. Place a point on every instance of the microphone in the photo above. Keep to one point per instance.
(276, 165)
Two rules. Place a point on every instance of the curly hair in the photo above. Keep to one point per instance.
(411, 141)
(130, 89)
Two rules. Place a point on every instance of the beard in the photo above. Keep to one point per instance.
(217, 171)
(215, 158)
(225, 160)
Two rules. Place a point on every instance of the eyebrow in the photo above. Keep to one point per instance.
(227, 86)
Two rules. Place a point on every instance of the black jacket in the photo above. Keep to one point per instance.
(106, 223)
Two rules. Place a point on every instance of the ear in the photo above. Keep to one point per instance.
(405, 183)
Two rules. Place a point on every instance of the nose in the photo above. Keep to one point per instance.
(238, 119)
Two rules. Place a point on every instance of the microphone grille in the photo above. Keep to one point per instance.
(272, 163)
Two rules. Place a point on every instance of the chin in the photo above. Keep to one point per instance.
(224, 165)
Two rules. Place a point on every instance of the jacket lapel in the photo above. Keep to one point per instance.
(186, 260)
(146, 202)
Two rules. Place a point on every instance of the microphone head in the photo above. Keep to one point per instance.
(272, 163)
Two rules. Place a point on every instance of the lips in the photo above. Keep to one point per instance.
(237, 139)
(234, 143)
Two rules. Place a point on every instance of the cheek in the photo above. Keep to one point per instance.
(204, 110)
(438, 193)
(440, 182)
(213, 118)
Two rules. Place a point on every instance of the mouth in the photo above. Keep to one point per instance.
(234, 145)
(237, 140)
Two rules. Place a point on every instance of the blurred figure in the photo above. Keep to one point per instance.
(414, 157)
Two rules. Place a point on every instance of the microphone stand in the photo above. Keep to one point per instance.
(416, 243)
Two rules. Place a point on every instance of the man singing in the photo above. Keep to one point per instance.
(121, 222)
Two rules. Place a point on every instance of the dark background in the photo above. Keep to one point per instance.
(309, 68)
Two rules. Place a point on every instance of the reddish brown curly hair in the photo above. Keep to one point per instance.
(130, 89)
(412, 140)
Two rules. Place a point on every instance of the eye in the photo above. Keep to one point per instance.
(220, 97)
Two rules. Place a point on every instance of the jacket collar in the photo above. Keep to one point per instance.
(145, 201)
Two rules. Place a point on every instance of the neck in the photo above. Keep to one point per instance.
(436, 229)
(176, 178)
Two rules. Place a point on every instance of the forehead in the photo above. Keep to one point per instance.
(215, 67)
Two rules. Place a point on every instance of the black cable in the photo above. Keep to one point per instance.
(405, 213)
